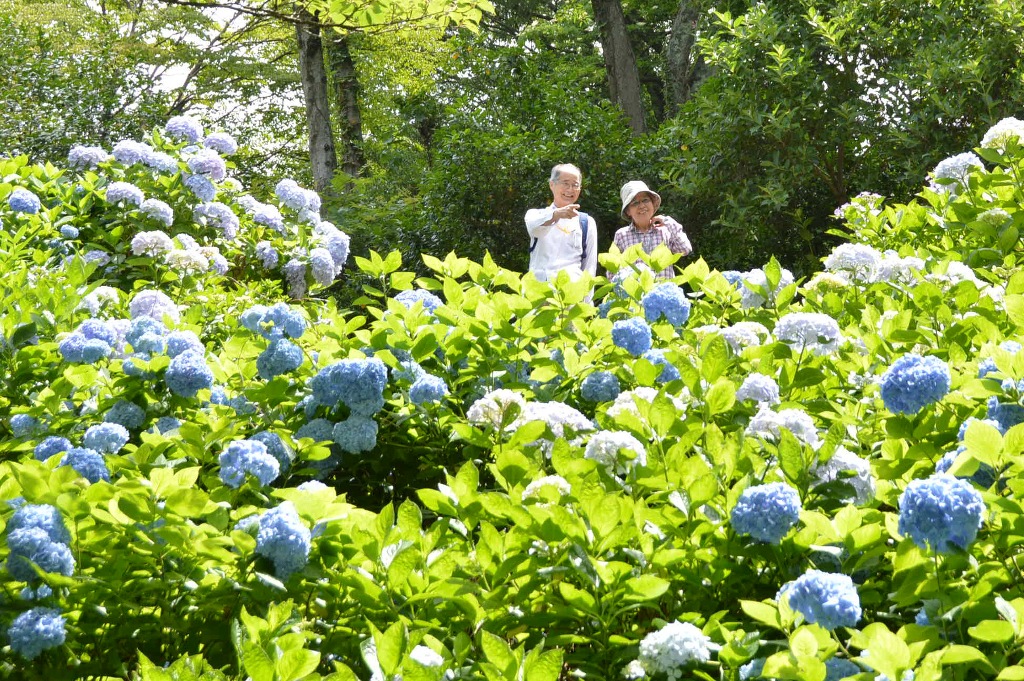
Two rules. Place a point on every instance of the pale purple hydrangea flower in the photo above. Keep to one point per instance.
(321, 264)
(218, 263)
(184, 128)
(99, 258)
(209, 163)
(295, 275)
(218, 215)
(335, 241)
(86, 157)
(162, 162)
(158, 210)
(126, 192)
(267, 255)
(154, 304)
(130, 152)
(152, 244)
(296, 197)
(201, 186)
(221, 142)
(270, 216)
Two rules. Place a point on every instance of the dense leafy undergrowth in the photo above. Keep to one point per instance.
(210, 474)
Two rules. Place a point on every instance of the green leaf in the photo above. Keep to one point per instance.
(390, 647)
(765, 613)
(1013, 673)
(992, 631)
(720, 397)
(296, 664)
(498, 653)
(189, 502)
(960, 654)
(545, 666)
(715, 358)
(257, 663)
(645, 588)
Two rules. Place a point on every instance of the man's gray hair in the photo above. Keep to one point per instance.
(557, 171)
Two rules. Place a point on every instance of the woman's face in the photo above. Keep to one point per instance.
(641, 210)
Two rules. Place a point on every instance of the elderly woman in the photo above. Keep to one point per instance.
(640, 206)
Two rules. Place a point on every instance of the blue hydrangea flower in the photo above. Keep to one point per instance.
(108, 438)
(1006, 414)
(270, 216)
(96, 328)
(158, 210)
(766, 512)
(276, 447)
(666, 300)
(669, 372)
(209, 163)
(35, 631)
(248, 456)
(69, 232)
(167, 424)
(759, 388)
(201, 186)
(184, 128)
(274, 322)
(128, 414)
(267, 255)
(78, 349)
(632, 335)
(824, 598)
(335, 241)
(941, 512)
(410, 297)
(220, 216)
(356, 434)
(130, 152)
(43, 516)
(183, 341)
(600, 386)
(427, 388)
(188, 373)
(295, 197)
(50, 446)
(284, 539)
(321, 265)
(295, 276)
(913, 382)
(984, 476)
(318, 430)
(146, 334)
(88, 463)
(221, 142)
(87, 158)
(358, 383)
(32, 546)
(126, 192)
(752, 669)
(25, 425)
(837, 668)
(280, 357)
(22, 200)
(158, 160)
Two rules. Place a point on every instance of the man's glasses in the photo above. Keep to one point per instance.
(640, 202)
(568, 185)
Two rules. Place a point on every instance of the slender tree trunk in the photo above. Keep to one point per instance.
(322, 155)
(346, 99)
(620, 62)
(685, 68)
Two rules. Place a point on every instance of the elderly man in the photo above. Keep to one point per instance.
(561, 237)
(640, 206)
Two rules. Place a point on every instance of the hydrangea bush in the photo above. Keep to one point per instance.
(477, 475)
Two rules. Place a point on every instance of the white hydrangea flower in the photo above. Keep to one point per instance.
(999, 135)
(994, 217)
(746, 334)
(814, 331)
(674, 647)
(604, 448)
(560, 484)
(186, 261)
(625, 401)
(766, 424)
(154, 304)
(154, 244)
(759, 388)
(98, 297)
(859, 262)
(955, 168)
(898, 270)
(490, 409)
(757, 278)
(425, 657)
(862, 481)
(558, 416)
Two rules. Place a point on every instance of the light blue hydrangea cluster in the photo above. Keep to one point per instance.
(668, 301)
(107, 438)
(184, 128)
(188, 373)
(427, 388)
(218, 215)
(600, 386)
(36, 535)
(669, 372)
(201, 186)
(280, 357)
(358, 383)
(209, 163)
(297, 198)
(266, 214)
(124, 192)
(913, 382)
(153, 244)
(130, 152)
(25, 425)
(321, 266)
(766, 512)
(984, 477)
(183, 340)
(35, 631)
(809, 331)
(276, 447)
(355, 434)
(221, 142)
(284, 539)
(247, 456)
(158, 210)
(632, 335)
(153, 304)
(335, 241)
(410, 297)
(267, 255)
(88, 463)
(824, 598)
(128, 414)
(837, 668)
(92, 341)
(53, 444)
(277, 321)
(317, 430)
(21, 200)
(674, 647)
(1006, 414)
(87, 158)
(69, 232)
(941, 512)
(758, 388)
(295, 277)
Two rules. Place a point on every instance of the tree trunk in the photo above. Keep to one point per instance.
(322, 156)
(620, 62)
(685, 67)
(346, 98)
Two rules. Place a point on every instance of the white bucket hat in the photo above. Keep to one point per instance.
(629, 192)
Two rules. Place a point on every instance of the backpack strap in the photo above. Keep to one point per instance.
(584, 224)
